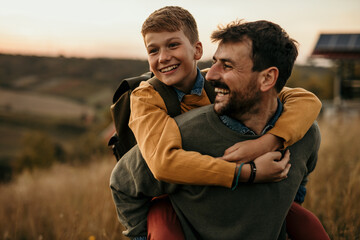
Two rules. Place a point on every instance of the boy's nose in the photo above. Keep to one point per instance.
(164, 56)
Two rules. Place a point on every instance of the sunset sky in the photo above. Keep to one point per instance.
(111, 28)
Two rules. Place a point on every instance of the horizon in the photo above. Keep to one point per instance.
(111, 29)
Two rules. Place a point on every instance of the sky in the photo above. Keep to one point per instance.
(111, 28)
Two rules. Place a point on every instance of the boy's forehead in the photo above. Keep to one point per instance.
(158, 37)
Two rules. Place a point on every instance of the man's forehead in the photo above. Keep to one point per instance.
(230, 51)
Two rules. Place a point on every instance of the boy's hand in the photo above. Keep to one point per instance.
(270, 169)
(249, 150)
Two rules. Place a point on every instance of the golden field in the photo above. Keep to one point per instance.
(74, 202)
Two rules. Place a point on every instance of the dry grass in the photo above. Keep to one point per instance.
(65, 202)
(70, 202)
(334, 186)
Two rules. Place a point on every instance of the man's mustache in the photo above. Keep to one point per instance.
(218, 84)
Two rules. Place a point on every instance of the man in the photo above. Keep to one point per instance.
(251, 65)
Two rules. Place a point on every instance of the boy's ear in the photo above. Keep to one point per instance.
(198, 50)
(268, 79)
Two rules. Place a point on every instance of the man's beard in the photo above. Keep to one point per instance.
(241, 103)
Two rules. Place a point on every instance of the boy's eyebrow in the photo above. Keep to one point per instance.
(167, 40)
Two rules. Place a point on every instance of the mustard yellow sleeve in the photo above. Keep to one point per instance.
(301, 108)
(159, 140)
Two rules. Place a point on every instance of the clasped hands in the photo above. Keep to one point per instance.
(271, 166)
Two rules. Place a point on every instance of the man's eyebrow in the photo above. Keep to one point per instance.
(223, 60)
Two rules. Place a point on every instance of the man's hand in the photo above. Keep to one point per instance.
(249, 150)
(269, 169)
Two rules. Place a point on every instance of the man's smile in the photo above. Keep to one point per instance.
(221, 91)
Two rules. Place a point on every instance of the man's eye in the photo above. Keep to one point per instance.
(226, 66)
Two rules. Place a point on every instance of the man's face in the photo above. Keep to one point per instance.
(236, 85)
(172, 58)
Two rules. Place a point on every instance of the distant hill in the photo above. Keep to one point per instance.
(76, 78)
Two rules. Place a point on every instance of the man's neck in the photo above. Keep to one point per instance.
(257, 118)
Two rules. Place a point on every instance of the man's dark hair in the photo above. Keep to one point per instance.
(271, 45)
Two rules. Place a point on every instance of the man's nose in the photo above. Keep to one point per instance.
(164, 56)
(213, 73)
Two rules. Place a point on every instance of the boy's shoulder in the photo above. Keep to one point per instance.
(145, 88)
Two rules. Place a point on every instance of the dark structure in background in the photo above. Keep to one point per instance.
(344, 51)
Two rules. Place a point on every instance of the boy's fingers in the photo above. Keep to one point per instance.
(230, 156)
(230, 149)
(286, 158)
(275, 155)
(286, 170)
(284, 173)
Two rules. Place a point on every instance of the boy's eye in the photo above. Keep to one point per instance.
(152, 51)
(173, 45)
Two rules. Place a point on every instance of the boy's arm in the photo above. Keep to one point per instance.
(301, 108)
(159, 140)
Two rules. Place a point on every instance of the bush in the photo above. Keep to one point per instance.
(38, 150)
(87, 147)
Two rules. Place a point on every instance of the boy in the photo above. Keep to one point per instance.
(171, 39)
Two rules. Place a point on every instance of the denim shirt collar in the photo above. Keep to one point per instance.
(237, 126)
(197, 88)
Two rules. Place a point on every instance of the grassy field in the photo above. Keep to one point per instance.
(74, 202)
(65, 202)
(334, 186)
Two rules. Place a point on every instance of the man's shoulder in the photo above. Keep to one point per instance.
(314, 131)
(194, 115)
(310, 142)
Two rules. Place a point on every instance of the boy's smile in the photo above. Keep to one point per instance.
(172, 58)
(168, 69)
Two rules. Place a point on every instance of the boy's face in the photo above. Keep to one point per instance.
(172, 58)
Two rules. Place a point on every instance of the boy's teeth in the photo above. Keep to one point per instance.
(167, 69)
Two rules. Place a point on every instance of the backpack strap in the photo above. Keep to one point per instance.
(130, 84)
(169, 96)
(120, 112)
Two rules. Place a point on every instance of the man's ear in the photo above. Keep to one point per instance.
(198, 50)
(269, 77)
